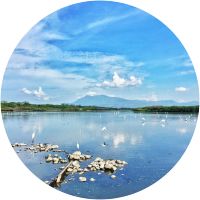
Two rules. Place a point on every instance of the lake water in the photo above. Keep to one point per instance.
(150, 143)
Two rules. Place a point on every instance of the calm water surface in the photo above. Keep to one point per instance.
(150, 143)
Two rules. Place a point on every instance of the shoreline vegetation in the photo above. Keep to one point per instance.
(28, 107)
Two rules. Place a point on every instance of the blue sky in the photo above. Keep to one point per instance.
(96, 48)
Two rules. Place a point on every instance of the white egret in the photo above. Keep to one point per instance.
(104, 129)
(104, 144)
(77, 145)
(143, 119)
(33, 137)
(163, 121)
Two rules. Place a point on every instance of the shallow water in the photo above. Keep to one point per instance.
(150, 143)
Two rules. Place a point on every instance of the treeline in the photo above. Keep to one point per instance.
(28, 107)
(168, 109)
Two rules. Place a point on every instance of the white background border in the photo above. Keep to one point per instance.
(16, 19)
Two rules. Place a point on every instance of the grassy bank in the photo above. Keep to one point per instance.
(27, 107)
(168, 109)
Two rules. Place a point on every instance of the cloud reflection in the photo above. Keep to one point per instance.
(118, 139)
(136, 139)
(182, 131)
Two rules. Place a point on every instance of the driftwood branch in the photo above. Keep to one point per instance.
(61, 176)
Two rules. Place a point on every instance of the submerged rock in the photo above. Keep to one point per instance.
(92, 179)
(113, 176)
(108, 166)
(82, 179)
(19, 145)
(38, 147)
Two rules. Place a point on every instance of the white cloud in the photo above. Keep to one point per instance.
(105, 21)
(187, 63)
(40, 94)
(187, 72)
(91, 93)
(118, 81)
(99, 59)
(26, 91)
(109, 20)
(181, 89)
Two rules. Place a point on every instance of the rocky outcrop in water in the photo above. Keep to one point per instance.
(73, 162)
(77, 155)
(55, 159)
(37, 147)
(106, 165)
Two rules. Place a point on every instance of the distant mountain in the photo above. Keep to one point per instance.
(107, 101)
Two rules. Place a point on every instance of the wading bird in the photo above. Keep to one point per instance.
(33, 137)
(77, 145)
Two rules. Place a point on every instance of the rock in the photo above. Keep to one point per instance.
(57, 150)
(93, 169)
(86, 170)
(112, 162)
(55, 160)
(98, 159)
(88, 156)
(74, 157)
(119, 162)
(54, 146)
(42, 149)
(63, 161)
(124, 163)
(114, 168)
(92, 179)
(101, 166)
(80, 170)
(97, 167)
(76, 164)
(81, 173)
(69, 169)
(74, 171)
(19, 145)
(77, 153)
(108, 166)
(49, 159)
(82, 157)
(113, 176)
(61, 168)
(82, 179)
